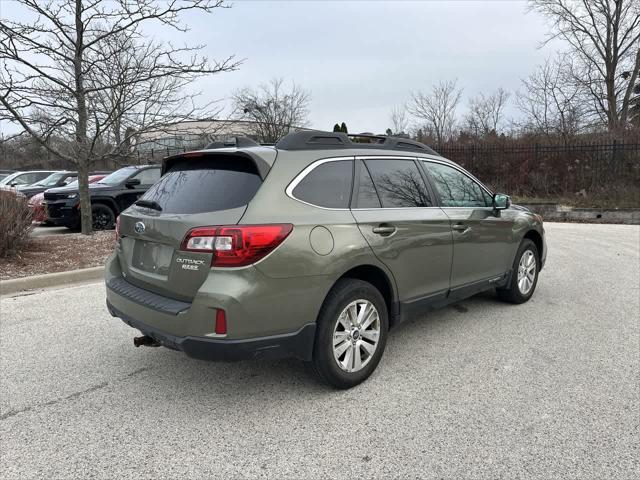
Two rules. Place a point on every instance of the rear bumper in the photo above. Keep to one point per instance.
(297, 344)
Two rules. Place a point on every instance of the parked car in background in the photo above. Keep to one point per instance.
(109, 197)
(313, 249)
(58, 179)
(36, 201)
(5, 173)
(17, 179)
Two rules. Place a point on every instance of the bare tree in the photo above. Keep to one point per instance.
(486, 112)
(604, 42)
(437, 109)
(404, 187)
(551, 102)
(634, 109)
(399, 120)
(147, 108)
(274, 109)
(83, 70)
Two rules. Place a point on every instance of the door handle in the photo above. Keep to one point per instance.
(384, 230)
(460, 227)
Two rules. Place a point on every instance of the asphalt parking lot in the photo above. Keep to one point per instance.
(548, 389)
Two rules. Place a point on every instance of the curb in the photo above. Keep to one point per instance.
(554, 212)
(57, 279)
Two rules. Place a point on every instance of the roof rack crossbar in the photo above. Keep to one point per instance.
(316, 139)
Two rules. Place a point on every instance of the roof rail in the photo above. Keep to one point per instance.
(237, 142)
(316, 139)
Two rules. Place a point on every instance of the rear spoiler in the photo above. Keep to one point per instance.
(262, 165)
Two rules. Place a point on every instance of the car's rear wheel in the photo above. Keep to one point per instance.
(524, 274)
(351, 334)
(102, 217)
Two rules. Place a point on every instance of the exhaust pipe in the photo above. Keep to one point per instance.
(145, 341)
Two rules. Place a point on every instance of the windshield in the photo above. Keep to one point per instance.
(118, 176)
(7, 180)
(51, 180)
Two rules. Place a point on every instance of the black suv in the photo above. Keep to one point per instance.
(55, 180)
(109, 197)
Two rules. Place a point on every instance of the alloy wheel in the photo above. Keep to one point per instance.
(100, 220)
(356, 335)
(526, 272)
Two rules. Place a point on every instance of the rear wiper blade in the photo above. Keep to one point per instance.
(149, 204)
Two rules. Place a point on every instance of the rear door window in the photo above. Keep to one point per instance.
(30, 178)
(399, 183)
(206, 186)
(148, 176)
(327, 185)
(367, 196)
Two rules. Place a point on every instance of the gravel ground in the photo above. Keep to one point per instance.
(548, 389)
(58, 253)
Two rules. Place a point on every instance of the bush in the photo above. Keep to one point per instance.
(15, 223)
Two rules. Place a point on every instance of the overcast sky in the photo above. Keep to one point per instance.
(359, 59)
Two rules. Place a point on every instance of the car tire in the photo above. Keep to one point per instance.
(337, 364)
(102, 217)
(523, 280)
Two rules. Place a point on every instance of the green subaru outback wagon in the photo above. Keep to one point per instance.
(314, 248)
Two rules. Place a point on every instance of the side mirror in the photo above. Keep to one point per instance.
(501, 201)
(13, 184)
(132, 182)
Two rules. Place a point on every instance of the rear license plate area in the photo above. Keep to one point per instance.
(152, 257)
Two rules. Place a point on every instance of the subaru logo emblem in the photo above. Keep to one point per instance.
(139, 227)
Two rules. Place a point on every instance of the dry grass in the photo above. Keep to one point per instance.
(58, 253)
(15, 223)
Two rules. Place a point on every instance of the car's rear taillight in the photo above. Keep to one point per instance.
(236, 245)
(117, 228)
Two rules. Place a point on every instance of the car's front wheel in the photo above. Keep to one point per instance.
(351, 334)
(524, 274)
(102, 217)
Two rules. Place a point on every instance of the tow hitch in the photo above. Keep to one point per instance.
(145, 341)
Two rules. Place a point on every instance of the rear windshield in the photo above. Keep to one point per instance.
(206, 185)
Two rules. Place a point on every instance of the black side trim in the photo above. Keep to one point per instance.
(418, 306)
(297, 344)
(468, 290)
(146, 298)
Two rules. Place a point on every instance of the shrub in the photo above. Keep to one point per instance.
(15, 223)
